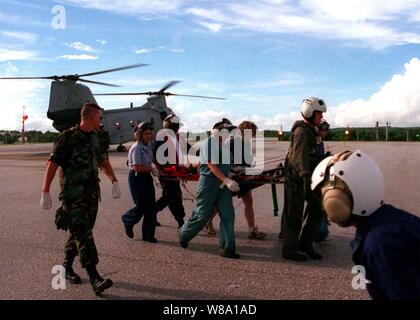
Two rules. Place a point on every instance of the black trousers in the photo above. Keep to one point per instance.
(172, 198)
(143, 193)
(295, 212)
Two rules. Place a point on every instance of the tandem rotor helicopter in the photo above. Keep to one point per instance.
(67, 97)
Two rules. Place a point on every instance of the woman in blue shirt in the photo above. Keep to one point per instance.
(140, 181)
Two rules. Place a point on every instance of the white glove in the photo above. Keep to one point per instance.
(116, 193)
(46, 201)
(232, 185)
(155, 171)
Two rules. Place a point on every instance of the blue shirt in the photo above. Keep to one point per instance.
(140, 154)
(387, 245)
(218, 154)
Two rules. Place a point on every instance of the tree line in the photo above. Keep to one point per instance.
(360, 134)
(32, 136)
(337, 134)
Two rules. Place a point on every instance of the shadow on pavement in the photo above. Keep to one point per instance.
(336, 250)
(165, 293)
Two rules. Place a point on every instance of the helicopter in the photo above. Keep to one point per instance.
(67, 97)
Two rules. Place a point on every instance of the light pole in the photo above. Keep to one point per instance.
(347, 133)
(24, 118)
(281, 133)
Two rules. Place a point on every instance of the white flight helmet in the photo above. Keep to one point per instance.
(312, 104)
(351, 183)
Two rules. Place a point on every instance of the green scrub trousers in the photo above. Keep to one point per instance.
(209, 196)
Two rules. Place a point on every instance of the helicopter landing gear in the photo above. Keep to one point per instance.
(121, 148)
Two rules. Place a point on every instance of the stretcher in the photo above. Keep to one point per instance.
(238, 173)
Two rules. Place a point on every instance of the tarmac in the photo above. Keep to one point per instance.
(30, 245)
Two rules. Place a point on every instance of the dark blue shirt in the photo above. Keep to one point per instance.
(387, 245)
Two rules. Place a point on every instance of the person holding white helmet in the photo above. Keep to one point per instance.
(300, 162)
(387, 242)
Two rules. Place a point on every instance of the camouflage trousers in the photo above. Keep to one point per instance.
(81, 215)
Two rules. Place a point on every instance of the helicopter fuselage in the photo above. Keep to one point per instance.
(67, 97)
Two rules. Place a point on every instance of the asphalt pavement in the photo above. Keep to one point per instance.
(30, 245)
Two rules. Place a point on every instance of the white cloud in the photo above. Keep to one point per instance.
(14, 94)
(20, 37)
(215, 27)
(102, 42)
(78, 57)
(80, 46)
(375, 24)
(398, 102)
(159, 49)
(13, 55)
(142, 50)
(202, 121)
(175, 50)
(355, 10)
(129, 7)
(25, 4)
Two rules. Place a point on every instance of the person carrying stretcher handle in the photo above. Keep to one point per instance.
(240, 148)
(214, 190)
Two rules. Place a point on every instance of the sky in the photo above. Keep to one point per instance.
(361, 57)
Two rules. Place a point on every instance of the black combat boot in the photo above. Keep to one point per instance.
(294, 256)
(309, 250)
(98, 283)
(180, 223)
(71, 276)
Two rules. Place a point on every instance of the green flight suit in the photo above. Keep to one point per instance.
(79, 154)
(301, 161)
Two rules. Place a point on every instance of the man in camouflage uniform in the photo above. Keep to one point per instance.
(302, 158)
(79, 151)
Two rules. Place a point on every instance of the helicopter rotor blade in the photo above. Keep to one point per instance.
(193, 96)
(125, 94)
(100, 83)
(138, 65)
(170, 84)
(27, 78)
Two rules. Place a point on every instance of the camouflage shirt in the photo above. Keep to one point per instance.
(303, 155)
(79, 154)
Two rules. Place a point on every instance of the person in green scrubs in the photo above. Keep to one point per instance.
(214, 191)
